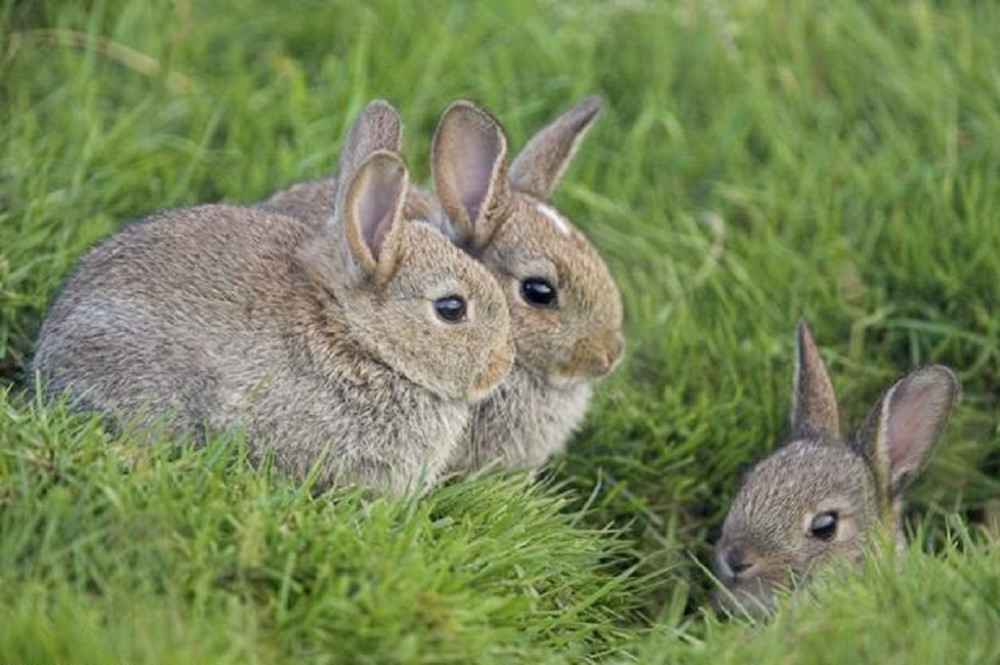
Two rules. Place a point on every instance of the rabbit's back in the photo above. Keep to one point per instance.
(308, 201)
(161, 315)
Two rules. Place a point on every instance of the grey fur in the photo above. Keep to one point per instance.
(308, 201)
(508, 225)
(219, 316)
(522, 424)
(767, 539)
(540, 165)
(498, 219)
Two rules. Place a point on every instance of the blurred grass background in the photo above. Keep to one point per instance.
(755, 161)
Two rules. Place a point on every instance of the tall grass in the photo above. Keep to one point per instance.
(755, 161)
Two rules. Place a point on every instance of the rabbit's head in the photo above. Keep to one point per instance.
(565, 308)
(820, 496)
(407, 296)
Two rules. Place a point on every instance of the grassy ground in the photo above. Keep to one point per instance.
(755, 161)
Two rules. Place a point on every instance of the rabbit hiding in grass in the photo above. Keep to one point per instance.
(565, 308)
(357, 343)
(820, 496)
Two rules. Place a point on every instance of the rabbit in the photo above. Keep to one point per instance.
(566, 310)
(565, 307)
(355, 346)
(821, 496)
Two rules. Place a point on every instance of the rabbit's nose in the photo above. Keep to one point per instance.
(594, 357)
(500, 360)
(734, 561)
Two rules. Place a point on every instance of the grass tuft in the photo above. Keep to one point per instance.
(755, 161)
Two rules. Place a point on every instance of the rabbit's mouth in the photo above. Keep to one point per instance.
(590, 359)
(497, 367)
(567, 381)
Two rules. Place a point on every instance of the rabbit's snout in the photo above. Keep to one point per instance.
(733, 562)
(594, 357)
(616, 350)
(498, 364)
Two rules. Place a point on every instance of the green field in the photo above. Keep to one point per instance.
(755, 161)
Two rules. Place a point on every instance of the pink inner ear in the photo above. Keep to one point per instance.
(916, 413)
(476, 156)
(375, 235)
(377, 206)
(469, 149)
(471, 204)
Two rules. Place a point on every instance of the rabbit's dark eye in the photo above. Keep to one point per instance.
(824, 525)
(450, 308)
(539, 292)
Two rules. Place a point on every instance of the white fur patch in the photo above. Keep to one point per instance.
(557, 220)
(430, 225)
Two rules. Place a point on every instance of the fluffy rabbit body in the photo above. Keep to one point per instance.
(357, 343)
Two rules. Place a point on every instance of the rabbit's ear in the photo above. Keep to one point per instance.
(540, 165)
(469, 161)
(814, 405)
(377, 127)
(372, 212)
(901, 432)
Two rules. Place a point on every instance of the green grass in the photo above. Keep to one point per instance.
(755, 161)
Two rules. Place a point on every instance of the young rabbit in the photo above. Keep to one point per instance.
(357, 343)
(820, 496)
(565, 308)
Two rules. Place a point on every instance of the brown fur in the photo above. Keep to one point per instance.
(493, 211)
(321, 340)
(509, 226)
(766, 537)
